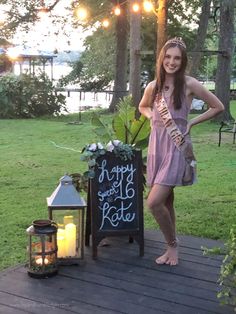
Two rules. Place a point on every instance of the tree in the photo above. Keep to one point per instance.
(98, 71)
(162, 14)
(135, 54)
(226, 48)
(23, 14)
(200, 39)
(120, 81)
(101, 63)
(97, 10)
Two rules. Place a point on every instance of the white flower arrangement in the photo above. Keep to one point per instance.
(93, 147)
(112, 144)
(91, 152)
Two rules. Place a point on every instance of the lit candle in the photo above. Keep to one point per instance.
(70, 239)
(39, 261)
(61, 245)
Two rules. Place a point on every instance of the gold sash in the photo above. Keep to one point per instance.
(179, 140)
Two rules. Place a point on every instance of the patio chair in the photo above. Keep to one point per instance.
(227, 128)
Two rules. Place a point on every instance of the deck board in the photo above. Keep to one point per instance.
(120, 281)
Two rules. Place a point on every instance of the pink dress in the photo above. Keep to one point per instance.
(165, 163)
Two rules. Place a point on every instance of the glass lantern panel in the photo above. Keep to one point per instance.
(42, 243)
(70, 232)
(43, 253)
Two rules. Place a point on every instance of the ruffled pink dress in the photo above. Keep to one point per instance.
(165, 163)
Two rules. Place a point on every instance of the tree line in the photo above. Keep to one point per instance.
(126, 51)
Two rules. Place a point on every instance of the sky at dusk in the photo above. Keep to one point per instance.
(42, 36)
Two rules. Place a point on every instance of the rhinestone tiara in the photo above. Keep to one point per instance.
(176, 40)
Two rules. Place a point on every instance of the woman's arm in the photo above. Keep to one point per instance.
(145, 105)
(214, 104)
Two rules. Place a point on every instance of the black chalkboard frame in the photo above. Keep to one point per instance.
(136, 232)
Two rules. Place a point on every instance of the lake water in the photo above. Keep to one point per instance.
(77, 101)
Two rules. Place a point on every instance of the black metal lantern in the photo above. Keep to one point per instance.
(66, 207)
(42, 249)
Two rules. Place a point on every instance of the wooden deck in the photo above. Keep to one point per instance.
(121, 282)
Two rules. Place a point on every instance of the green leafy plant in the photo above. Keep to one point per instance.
(28, 96)
(124, 135)
(125, 127)
(80, 182)
(227, 278)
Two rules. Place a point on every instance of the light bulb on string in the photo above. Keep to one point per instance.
(117, 10)
(105, 23)
(136, 7)
(81, 13)
(148, 6)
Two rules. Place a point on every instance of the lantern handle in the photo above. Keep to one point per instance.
(53, 223)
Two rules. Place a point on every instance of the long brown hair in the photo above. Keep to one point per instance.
(179, 78)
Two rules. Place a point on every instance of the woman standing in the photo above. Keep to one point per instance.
(166, 102)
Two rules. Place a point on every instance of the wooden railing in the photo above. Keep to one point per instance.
(109, 93)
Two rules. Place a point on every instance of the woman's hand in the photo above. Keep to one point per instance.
(150, 116)
(188, 128)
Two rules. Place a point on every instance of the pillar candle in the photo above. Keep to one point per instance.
(68, 219)
(61, 243)
(70, 239)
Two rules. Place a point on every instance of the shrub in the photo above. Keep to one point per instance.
(227, 278)
(28, 96)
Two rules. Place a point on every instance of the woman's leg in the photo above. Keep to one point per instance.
(170, 206)
(157, 200)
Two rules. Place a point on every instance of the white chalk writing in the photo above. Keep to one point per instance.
(116, 194)
(114, 215)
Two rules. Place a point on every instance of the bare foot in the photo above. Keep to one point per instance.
(104, 242)
(172, 259)
(169, 258)
(162, 259)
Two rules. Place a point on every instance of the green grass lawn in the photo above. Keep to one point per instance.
(31, 166)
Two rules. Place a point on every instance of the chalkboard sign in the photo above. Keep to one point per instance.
(115, 200)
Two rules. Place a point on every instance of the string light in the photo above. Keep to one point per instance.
(148, 6)
(105, 23)
(82, 13)
(13, 53)
(136, 7)
(117, 10)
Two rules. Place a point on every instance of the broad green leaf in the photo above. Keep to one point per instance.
(123, 120)
(101, 130)
(140, 129)
(126, 110)
(122, 131)
(142, 144)
(96, 121)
